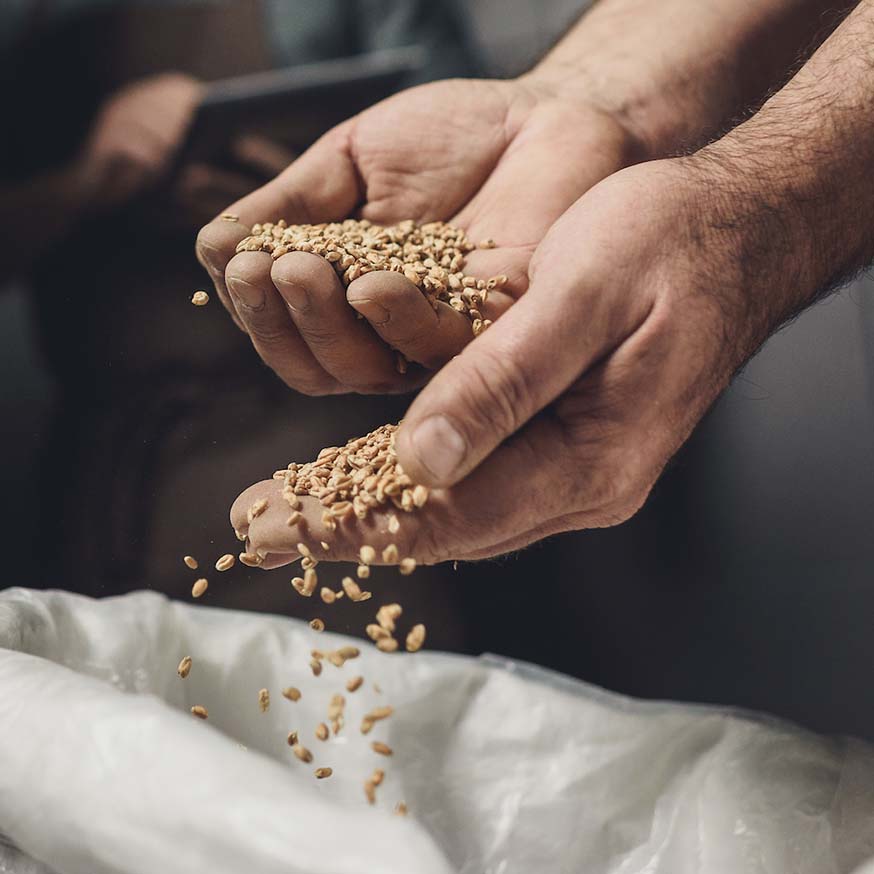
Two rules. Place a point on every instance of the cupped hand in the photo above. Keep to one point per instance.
(564, 413)
(501, 159)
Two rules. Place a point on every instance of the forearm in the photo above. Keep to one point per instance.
(793, 186)
(675, 72)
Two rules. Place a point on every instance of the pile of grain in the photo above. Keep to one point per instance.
(431, 255)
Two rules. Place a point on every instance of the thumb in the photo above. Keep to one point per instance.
(531, 355)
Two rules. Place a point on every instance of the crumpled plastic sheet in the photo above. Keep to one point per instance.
(506, 768)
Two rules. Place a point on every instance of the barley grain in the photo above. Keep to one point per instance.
(407, 566)
(379, 747)
(376, 632)
(264, 700)
(191, 562)
(184, 667)
(310, 581)
(302, 753)
(316, 667)
(199, 587)
(370, 791)
(377, 776)
(317, 624)
(251, 559)
(256, 510)
(292, 738)
(394, 524)
(322, 773)
(367, 554)
(292, 693)
(327, 595)
(401, 809)
(390, 554)
(388, 614)
(416, 638)
(200, 298)
(225, 562)
(363, 572)
(387, 644)
(200, 712)
(322, 732)
(353, 684)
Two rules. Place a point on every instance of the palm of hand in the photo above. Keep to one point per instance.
(500, 159)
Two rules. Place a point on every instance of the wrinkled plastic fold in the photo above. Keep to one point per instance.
(505, 768)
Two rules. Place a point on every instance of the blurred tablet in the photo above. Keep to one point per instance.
(294, 105)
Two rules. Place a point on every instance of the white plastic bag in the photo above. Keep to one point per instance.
(505, 768)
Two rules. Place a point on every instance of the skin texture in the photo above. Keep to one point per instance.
(643, 300)
(461, 151)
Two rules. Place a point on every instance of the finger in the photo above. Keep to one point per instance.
(402, 316)
(344, 345)
(492, 507)
(522, 363)
(322, 184)
(266, 319)
(216, 245)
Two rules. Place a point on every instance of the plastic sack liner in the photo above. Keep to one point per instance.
(505, 768)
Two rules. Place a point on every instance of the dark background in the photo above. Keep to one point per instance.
(748, 578)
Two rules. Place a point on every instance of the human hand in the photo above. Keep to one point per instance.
(501, 159)
(562, 415)
(136, 134)
(202, 190)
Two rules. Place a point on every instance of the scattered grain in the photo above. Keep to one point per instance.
(251, 559)
(199, 587)
(394, 524)
(316, 667)
(416, 638)
(353, 684)
(370, 791)
(379, 747)
(322, 773)
(322, 732)
(318, 624)
(302, 753)
(327, 595)
(256, 510)
(292, 693)
(225, 562)
(407, 566)
(184, 667)
(191, 562)
(292, 738)
(390, 554)
(377, 776)
(400, 809)
(200, 298)
(363, 571)
(200, 712)
(388, 614)
(367, 554)
(387, 644)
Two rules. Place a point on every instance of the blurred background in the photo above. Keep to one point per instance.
(130, 419)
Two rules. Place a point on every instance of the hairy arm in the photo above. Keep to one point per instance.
(678, 73)
(794, 183)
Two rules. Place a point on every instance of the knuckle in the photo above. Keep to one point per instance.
(499, 394)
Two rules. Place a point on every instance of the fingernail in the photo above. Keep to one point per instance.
(250, 296)
(372, 311)
(439, 447)
(296, 296)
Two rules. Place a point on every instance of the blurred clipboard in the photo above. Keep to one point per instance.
(294, 105)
